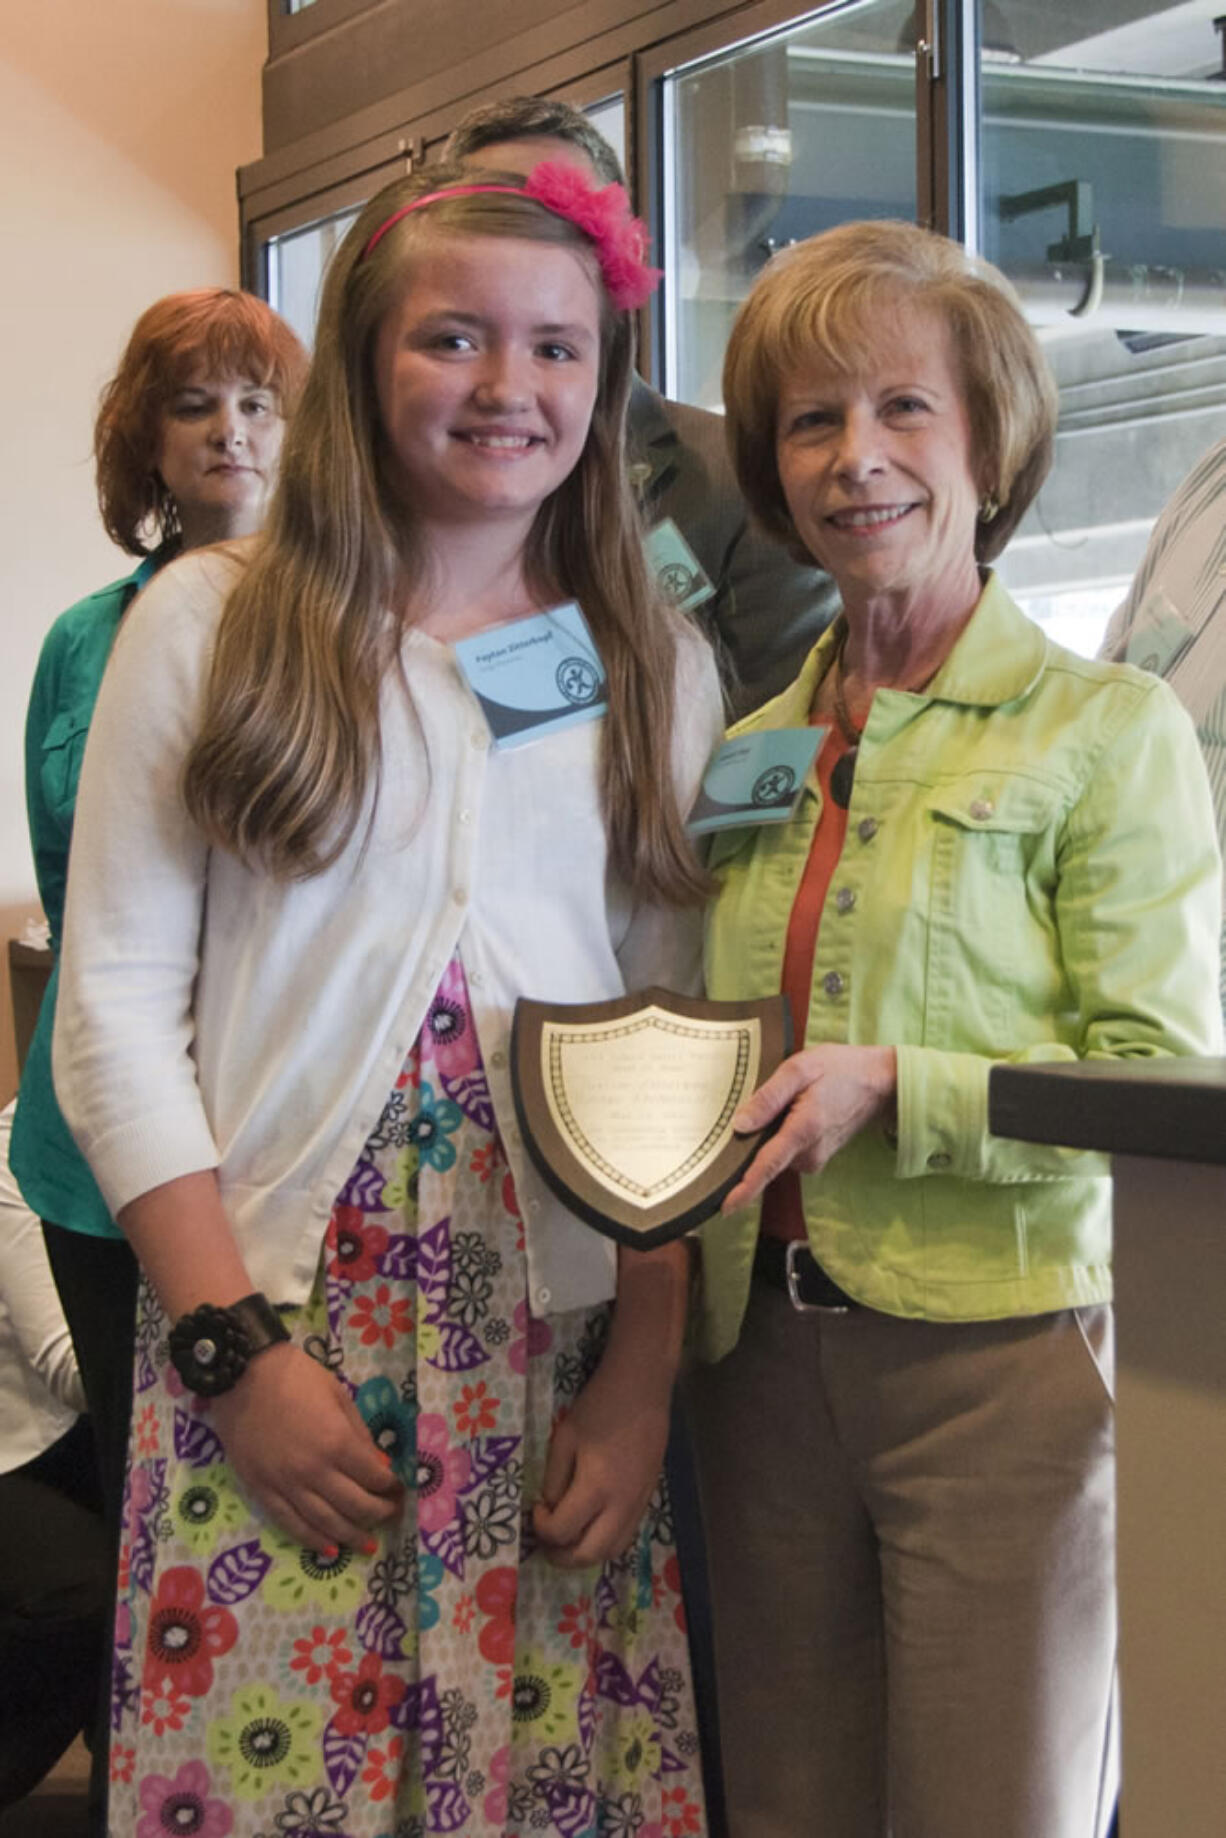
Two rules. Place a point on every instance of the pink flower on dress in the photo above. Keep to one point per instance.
(495, 1804)
(441, 1471)
(537, 1338)
(140, 1494)
(182, 1805)
(451, 1042)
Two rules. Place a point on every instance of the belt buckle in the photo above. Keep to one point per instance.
(791, 1252)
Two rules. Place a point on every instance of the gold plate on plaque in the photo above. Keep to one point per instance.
(626, 1106)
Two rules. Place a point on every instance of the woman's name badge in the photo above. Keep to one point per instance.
(1160, 636)
(680, 575)
(755, 778)
(532, 676)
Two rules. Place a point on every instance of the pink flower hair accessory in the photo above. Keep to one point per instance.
(602, 213)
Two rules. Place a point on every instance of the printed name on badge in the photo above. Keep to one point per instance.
(533, 676)
(755, 778)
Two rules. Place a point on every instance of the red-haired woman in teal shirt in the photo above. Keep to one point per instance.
(187, 441)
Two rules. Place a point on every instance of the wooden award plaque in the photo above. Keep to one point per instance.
(626, 1106)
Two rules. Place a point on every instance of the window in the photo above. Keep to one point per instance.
(297, 262)
(1103, 159)
(1081, 145)
(765, 144)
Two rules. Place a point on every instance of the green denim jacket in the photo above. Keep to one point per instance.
(50, 1170)
(1030, 873)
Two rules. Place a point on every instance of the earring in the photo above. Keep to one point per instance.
(988, 508)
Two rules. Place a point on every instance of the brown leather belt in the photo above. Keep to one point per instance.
(789, 1265)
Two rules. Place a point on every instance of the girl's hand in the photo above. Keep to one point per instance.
(303, 1453)
(605, 1456)
(829, 1093)
(604, 1461)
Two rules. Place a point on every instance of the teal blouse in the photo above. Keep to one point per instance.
(50, 1170)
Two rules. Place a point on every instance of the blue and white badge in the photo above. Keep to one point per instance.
(755, 778)
(679, 574)
(1159, 637)
(532, 676)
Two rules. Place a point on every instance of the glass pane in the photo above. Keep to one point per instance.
(609, 118)
(769, 143)
(1104, 183)
(296, 264)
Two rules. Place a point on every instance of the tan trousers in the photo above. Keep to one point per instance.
(910, 1531)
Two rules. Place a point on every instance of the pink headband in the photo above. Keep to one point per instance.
(602, 214)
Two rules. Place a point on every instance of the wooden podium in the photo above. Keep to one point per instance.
(1164, 1124)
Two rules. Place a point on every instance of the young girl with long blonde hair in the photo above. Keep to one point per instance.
(396, 1558)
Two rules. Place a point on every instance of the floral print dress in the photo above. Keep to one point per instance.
(454, 1682)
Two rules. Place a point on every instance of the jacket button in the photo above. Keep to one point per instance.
(498, 1060)
(982, 809)
(844, 900)
(939, 1159)
(866, 829)
(832, 983)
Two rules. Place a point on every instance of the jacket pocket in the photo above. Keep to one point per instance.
(994, 960)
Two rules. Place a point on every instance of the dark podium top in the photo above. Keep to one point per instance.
(1173, 1108)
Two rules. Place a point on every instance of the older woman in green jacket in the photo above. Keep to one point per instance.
(1004, 853)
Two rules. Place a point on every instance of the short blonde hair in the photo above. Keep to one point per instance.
(827, 297)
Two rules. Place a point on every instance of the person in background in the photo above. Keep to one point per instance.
(186, 442)
(906, 1436)
(396, 1553)
(761, 606)
(54, 1584)
(1173, 620)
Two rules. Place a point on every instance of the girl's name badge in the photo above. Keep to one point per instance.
(755, 778)
(680, 575)
(532, 676)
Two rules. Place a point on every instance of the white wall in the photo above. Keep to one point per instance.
(121, 125)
